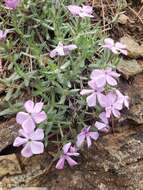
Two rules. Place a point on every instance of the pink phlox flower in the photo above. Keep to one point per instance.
(62, 50)
(12, 4)
(84, 11)
(68, 152)
(95, 94)
(112, 105)
(123, 99)
(34, 115)
(103, 77)
(86, 135)
(102, 126)
(115, 47)
(31, 142)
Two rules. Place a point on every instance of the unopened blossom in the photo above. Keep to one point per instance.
(112, 105)
(34, 115)
(94, 93)
(81, 11)
(86, 135)
(62, 50)
(103, 125)
(68, 152)
(12, 4)
(124, 100)
(103, 77)
(31, 141)
(115, 47)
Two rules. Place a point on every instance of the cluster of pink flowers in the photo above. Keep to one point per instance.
(111, 101)
(30, 137)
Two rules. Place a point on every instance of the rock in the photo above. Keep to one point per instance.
(123, 19)
(140, 62)
(8, 132)
(134, 49)
(135, 92)
(9, 165)
(129, 68)
(32, 169)
(115, 162)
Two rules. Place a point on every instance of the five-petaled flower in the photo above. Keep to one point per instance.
(12, 4)
(103, 125)
(31, 142)
(103, 77)
(115, 47)
(62, 50)
(112, 105)
(84, 11)
(68, 152)
(87, 135)
(95, 94)
(34, 116)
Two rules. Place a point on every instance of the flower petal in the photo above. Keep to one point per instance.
(37, 135)
(73, 154)
(108, 112)
(86, 92)
(23, 133)
(109, 42)
(91, 100)
(28, 125)
(74, 9)
(19, 141)
(39, 117)
(37, 147)
(60, 163)
(29, 105)
(92, 84)
(111, 80)
(70, 161)
(53, 53)
(60, 49)
(38, 107)
(94, 135)
(26, 151)
(66, 147)
(69, 48)
(97, 73)
(103, 117)
(116, 113)
(21, 117)
(80, 139)
(111, 98)
(126, 101)
(88, 139)
(102, 99)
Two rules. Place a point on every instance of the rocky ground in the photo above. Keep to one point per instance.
(115, 162)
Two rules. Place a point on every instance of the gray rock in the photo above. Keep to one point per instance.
(129, 68)
(8, 132)
(134, 49)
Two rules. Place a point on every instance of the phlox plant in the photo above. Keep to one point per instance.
(59, 65)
